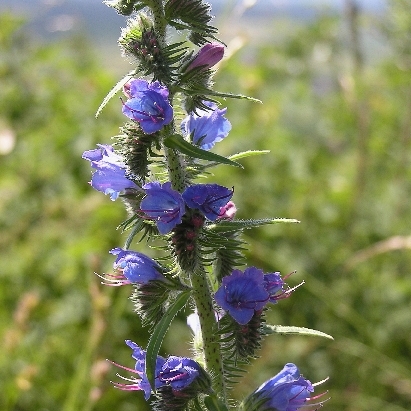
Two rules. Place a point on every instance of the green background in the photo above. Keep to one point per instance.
(336, 94)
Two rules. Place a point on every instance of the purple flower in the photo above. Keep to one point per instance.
(208, 198)
(141, 383)
(110, 176)
(206, 127)
(179, 372)
(148, 105)
(163, 204)
(136, 267)
(242, 294)
(209, 55)
(287, 391)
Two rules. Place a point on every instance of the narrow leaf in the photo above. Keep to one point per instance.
(225, 226)
(213, 403)
(281, 329)
(177, 142)
(158, 334)
(248, 153)
(114, 91)
(230, 95)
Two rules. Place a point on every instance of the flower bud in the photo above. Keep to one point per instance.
(228, 211)
(208, 56)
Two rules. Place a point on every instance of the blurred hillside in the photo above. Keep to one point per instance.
(51, 20)
(336, 95)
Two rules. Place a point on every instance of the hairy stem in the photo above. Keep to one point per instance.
(159, 21)
(175, 168)
(212, 353)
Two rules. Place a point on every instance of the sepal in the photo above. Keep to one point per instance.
(226, 251)
(184, 240)
(137, 149)
(152, 300)
(241, 342)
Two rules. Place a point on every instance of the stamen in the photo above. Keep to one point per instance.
(132, 370)
(115, 281)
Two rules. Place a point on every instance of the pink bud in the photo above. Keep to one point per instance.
(228, 211)
(209, 55)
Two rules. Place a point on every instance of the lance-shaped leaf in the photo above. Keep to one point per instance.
(225, 226)
(248, 153)
(177, 142)
(158, 334)
(242, 154)
(282, 329)
(114, 91)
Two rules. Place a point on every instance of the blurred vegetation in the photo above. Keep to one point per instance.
(338, 125)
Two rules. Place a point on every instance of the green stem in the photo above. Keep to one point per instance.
(175, 169)
(212, 353)
(159, 21)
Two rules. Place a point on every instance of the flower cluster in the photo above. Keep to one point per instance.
(173, 122)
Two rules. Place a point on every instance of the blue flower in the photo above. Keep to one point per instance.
(141, 383)
(242, 294)
(163, 204)
(110, 176)
(136, 267)
(208, 198)
(287, 391)
(179, 372)
(148, 105)
(206, 127)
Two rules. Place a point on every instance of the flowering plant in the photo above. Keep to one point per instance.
(156, 167)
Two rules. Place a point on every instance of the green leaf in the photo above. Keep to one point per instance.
(177, 142)
(114, 91)
(213, 403)
(248, 153)
(158, 334)
(225, 226)
(281, 329)
(230, 95)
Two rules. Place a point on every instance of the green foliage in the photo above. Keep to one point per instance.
(58, 324)
(339, 133)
